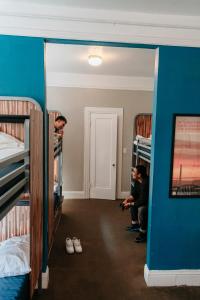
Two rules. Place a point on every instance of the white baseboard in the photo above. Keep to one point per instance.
(123, 195)
(81, 195)
(45, 280)
(73, 194)
(171, 277)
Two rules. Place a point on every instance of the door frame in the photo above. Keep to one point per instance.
(87, 117)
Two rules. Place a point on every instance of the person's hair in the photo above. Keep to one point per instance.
(142, 170)
(61, 118)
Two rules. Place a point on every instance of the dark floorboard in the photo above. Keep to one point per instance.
(111, 266)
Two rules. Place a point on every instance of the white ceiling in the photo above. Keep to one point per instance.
(174, 7)
(156, 22)
(116, 61)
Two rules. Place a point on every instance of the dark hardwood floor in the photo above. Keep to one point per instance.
(111, 266)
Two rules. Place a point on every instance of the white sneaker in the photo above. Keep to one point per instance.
(69, 246)
(77, 245)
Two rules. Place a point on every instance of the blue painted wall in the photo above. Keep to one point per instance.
(22, 74)
(174, 235)
(22, 67)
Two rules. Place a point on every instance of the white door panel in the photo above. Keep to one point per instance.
(103, 149)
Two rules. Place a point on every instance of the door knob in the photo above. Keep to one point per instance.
(113, 165)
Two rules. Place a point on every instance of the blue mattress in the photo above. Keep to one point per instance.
(14, 288)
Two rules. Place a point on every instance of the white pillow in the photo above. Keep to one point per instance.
(15, 256)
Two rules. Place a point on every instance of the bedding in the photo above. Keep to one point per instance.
(9, 145)
(14, 288)
(15, 256)
(143, 140)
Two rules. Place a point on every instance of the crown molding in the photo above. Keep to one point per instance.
(53, 21)
(56, 79)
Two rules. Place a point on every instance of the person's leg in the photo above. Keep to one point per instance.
(134, 219)
(134, 214)
(142, 217)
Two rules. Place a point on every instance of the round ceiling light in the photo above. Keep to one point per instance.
(95, 60)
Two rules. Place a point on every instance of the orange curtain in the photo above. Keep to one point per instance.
(143, 124)
(15, 223)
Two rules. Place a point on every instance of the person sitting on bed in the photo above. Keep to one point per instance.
(59, 125)
(138, 203)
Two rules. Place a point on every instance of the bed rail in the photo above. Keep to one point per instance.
(57, 147)
(14, 158)
(142, 149)
(11, 175)
(11, 197)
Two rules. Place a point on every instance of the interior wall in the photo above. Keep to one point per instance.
(22, 67)
(174, 227)
(71, 103)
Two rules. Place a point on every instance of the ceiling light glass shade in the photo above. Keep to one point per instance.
(95, 60)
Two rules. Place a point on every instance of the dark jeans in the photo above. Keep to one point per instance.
(140, 215)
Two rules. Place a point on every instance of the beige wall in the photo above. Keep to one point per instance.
(71, 102)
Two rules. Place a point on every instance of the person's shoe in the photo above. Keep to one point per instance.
(69, 246)
(142, 237)
(133, 227)
(77, 245)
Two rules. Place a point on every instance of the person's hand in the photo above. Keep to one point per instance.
(127, 205)
(129, 199)
(125, 201)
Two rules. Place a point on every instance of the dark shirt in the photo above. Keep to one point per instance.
(140, 192)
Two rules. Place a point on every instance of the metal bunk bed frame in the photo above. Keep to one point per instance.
(11, 197)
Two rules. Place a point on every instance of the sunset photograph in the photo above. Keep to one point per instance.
(186, 159)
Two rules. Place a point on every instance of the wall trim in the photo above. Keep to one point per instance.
(171, 277)
(123, 195)
(54, 21)
(81, 195)
(74, 194)
(87, 116)
(44, 280)
(59, 79)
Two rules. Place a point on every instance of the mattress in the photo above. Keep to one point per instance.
(143, 140)
(14, 288)
(9, 145)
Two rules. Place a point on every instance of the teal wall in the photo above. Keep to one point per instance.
(22, 67)
(174, 235)
(174, 226)
(22, 74)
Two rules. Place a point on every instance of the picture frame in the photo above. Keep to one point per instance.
(185, 158)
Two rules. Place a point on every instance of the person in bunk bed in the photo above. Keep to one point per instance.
(138, 203)
(59, 125)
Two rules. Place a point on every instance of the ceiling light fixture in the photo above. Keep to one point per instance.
(95, 60)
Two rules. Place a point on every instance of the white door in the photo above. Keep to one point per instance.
(103, 151)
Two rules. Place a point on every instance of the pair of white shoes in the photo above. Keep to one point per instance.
(73, 245)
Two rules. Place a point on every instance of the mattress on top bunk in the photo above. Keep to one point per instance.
(14, 287)
(143, 140)
(9, 145)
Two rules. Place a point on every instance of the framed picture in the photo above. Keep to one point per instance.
(185, 171)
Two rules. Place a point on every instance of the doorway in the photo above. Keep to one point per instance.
(117, 83)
